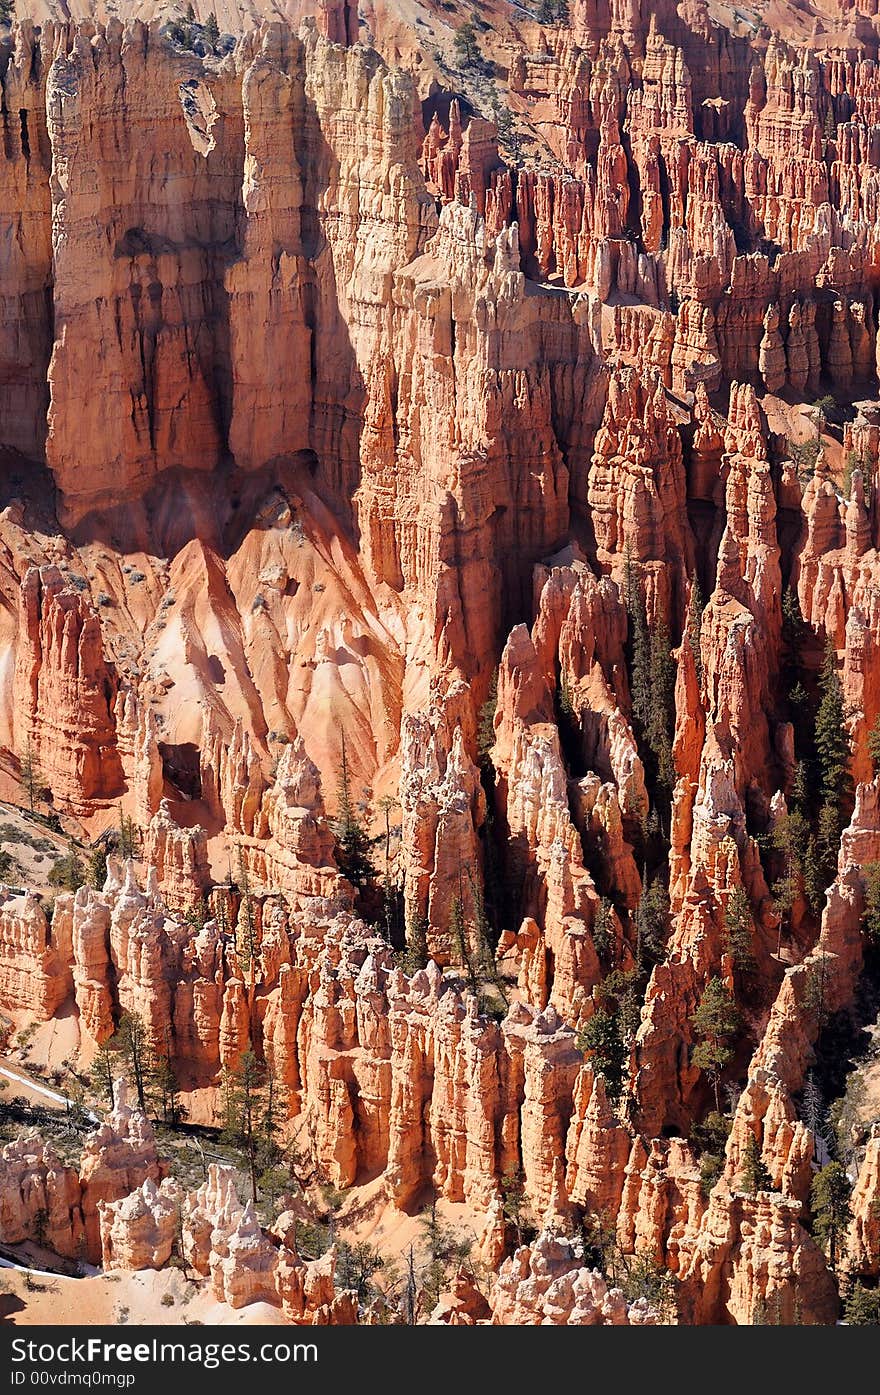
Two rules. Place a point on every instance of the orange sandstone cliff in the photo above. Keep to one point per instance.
(440, 621)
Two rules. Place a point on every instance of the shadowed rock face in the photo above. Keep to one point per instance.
(493, 476)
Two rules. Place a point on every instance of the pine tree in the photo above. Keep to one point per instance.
(661, 705)
(467, 50)
(31, 775)
(353, 843)
(640, 647)
(871, 915)
(862, 1307)
(96, 872)
(568, 723)
(246, 946)
(167, 1088)
(134, 1049)
(443, 1248)
(816, 995)
(461, 948)
(486, 724)
(416, 956)
(652, 923)
(391, 896)
(738, 929)
(814, 875)
(485, 955)
(212, 30)
(755, 1175)
(794, 636)
(105, 1063)
(832, 742)
(68, 872)
(250, 1117)
(709, 1138)
(601, 1042)
(813, 1111)
(800, 790)
(715, 1021)
(694, 625)
(603, 931)
(829, 1201)
(789, 838)
(128, 836)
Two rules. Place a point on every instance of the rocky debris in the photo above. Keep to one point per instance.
(546, 1284)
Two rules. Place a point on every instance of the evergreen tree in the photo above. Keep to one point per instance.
(486, 724)
(104, 1063)
(832, 753)
(789, 838)
(467, 50)
(862, 1307)
(829, 1201)
(355, 1266)
(31, 775)
(800, 790)
(871, 915)
(485, 955)
(813, 1111)
(212, 30)
(134, 1049)
(640, 646)
(460, 946)
(652, 922)
(738, 929)
(416, 955)
(128, 836)
(816, 996)
(96, 872)
(694, 625)
(353, 843)
(250, 1117)
(661, 706)
(815, 874)
(601, 1042)
(246, 946)
(715, 1021)
(709, 1138)
(755, 1175)
(443, 1248)
(568, 723)
(794, 636)
(603, 931)
(621, 989)
(167, 1088)
(68, 872)
(513, 1200)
